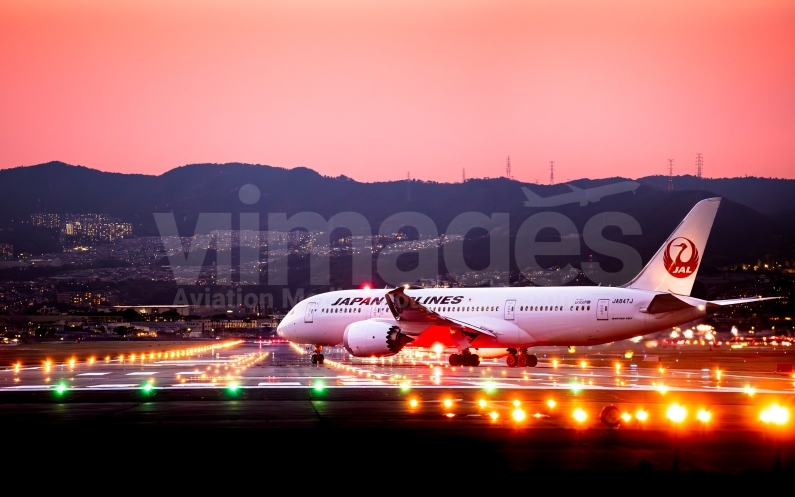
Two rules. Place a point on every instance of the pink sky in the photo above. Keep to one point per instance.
(372, 89)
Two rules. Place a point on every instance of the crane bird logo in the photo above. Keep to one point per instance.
(675, 265)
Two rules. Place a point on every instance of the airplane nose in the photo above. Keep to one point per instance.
(282, 328)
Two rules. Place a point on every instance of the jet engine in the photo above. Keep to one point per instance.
(374, 338)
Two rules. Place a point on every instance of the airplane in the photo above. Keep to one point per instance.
(579, 195)
(509, 321)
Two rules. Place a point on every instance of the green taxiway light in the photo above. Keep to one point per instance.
(147, 387)
(489, 387)
(404, 387)
(233, 387)
(61, 388)
(575, 387)
(319, 386)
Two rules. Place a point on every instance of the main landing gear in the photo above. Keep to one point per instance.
(317, 357)
(520, 359)
(465, 358)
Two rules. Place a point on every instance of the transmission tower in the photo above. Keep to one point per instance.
(508, 168)
(464, 175)
(699, 165)
(670, 175)
(551, 172)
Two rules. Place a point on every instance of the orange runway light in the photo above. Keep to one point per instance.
(413, 403)
(676, 413)
(580, 415)
(448, 403)
(494, 415)
(775, 414)
(518, 415)
(704, 416)
(641, 415)
(551, 403)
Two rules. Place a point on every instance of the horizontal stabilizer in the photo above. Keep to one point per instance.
(666, 303)
(742, 301)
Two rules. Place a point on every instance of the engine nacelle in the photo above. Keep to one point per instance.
(374, 338)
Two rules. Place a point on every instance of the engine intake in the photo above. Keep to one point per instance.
(374, 338)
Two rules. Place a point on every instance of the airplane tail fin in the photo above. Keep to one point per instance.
(534, 200)
(673, 268)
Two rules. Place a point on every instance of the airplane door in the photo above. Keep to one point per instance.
(602, 309)
(510, 308)
(310, 312)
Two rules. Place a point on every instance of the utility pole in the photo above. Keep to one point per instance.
(670, 175)
(699, 165)
(551, 172)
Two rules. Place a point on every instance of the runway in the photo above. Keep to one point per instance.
(531, 419)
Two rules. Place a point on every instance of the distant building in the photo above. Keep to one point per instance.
(6, 251)
(81, 299)
(51, 221)
(96, 227)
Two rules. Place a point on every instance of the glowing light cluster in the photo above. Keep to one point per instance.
(775, 414)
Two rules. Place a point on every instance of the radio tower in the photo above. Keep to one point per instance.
(508, 168)
(464, 175)
(670, 175)
(551, 172)
(699, 165)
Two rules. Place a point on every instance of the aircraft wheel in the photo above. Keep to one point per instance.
(314, 358)
(532, 360)
(455, 360)
(511, 360)
(321, 358)
(474, 360)
(521, 361)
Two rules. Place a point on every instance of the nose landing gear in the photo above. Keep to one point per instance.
(317, 357)
(520, 359)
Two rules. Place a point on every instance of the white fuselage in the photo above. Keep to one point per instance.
(517, 316)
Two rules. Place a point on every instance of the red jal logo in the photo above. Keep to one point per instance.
(675, 265)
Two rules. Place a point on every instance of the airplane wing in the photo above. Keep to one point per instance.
(407, 310)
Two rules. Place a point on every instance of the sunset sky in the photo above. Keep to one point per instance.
(375, 88)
